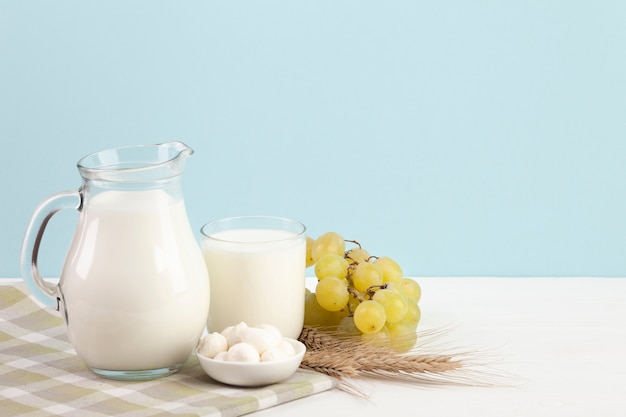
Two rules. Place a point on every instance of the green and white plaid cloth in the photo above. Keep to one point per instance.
(40, 375)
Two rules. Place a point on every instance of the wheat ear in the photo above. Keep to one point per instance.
(346, 358)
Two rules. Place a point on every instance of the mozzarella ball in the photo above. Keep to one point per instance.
(212, 344)
(271, 329)
(273, 354)
(233, 333)
(286, 347)
(261, 339)
(221, 356)
(242, 352)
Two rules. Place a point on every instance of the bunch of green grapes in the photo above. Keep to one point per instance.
(361, 295)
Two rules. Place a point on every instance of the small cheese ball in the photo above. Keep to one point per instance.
(212, 344)
(242, 352)
(261, 339)
(286, 347)
(273, 354)
(271, 329)
(241, 343)
(233, 333)
(221, 356)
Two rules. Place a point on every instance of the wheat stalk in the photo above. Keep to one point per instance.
(346, 358)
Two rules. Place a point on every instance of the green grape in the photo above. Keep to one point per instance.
(396, 287)
(330, 242)
(353, 302)
(365, 275)
(402, 335)
(413, 313)
(314, 314)
(331, 265)
(395, 305)
(347, 327)
(332, 293)
(390, 269)
(334, 318)
(412, 289)
(309, 251)
(357, 255)
(339, 315)
(369, 316)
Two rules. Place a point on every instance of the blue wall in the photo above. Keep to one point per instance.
(460, 137)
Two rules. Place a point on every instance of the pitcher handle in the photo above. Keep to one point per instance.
(45, 292)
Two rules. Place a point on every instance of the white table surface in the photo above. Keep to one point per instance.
(562, 340)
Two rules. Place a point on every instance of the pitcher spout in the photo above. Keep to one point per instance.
(136, 163)
(178, 148)
(176, 153)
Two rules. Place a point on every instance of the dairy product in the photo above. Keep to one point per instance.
(135, 285)
(257, 276)
(263, 343)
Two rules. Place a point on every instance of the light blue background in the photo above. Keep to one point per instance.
(459, 137)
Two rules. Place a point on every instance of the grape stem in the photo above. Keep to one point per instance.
(352, 241)
(355, 293)
(369, 293)
(345, 255)
(371, 290)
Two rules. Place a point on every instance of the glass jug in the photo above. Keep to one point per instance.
(134, 289)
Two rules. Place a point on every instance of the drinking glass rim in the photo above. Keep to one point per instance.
(277, 219)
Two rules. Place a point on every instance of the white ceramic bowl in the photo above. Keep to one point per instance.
(245, 374)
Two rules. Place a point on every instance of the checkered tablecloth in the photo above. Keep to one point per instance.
(40, 375)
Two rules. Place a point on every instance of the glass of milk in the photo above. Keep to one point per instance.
(256, 268)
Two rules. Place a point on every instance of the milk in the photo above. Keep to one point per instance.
(257, 276)
(134, 283)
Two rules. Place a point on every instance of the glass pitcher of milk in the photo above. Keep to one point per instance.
(134, 289)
